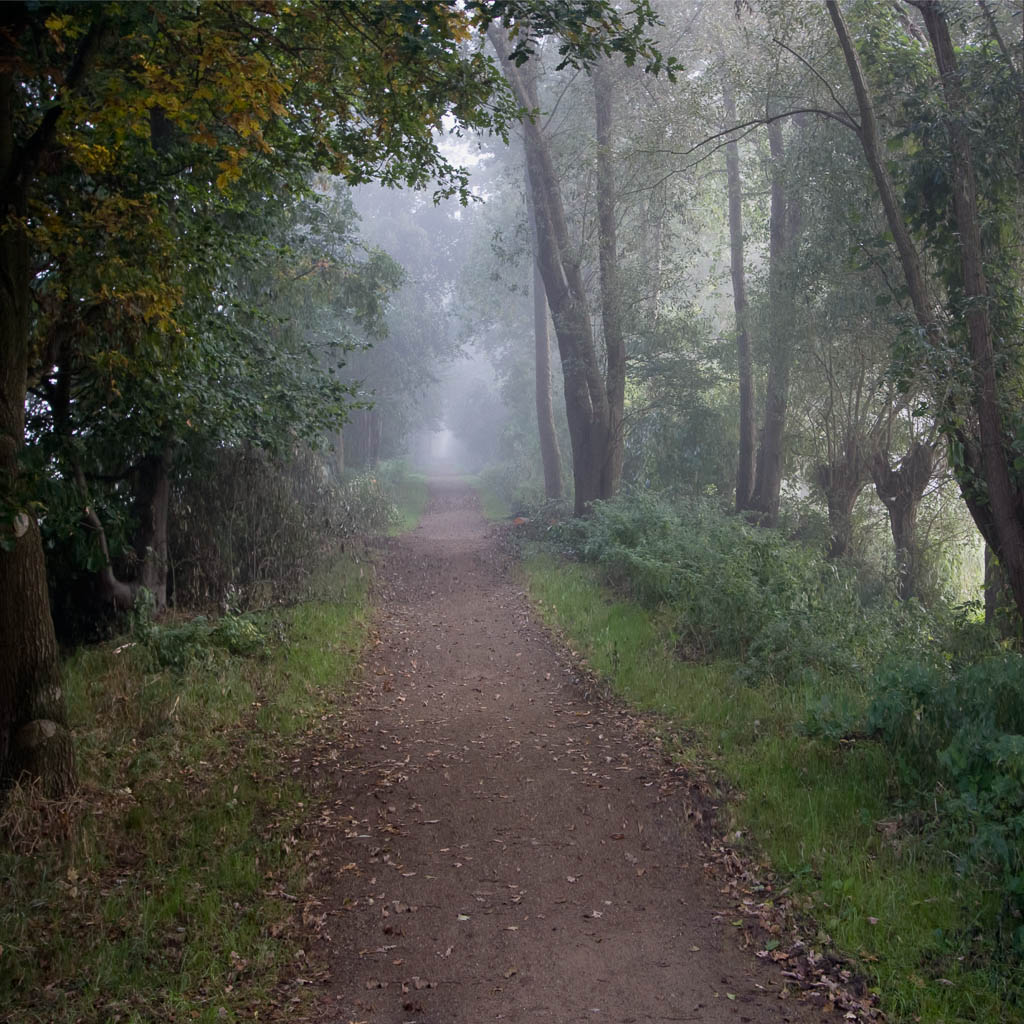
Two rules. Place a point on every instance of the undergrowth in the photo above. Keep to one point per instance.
(164, 889)
(877, 749)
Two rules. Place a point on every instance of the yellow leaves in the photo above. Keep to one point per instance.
(62, 29)
(230, 172)
(92, 157)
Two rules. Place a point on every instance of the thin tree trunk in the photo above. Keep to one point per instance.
(549, 453)
(551, 457)
(784, 220)
(745, 466)
(611, 295)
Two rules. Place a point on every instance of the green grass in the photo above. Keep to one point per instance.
(818, 812)
(149, 896)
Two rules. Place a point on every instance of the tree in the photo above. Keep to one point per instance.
(983, 423)
(551, 457)
(594, 400)
(746, 466)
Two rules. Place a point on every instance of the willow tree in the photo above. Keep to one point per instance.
(973, 324)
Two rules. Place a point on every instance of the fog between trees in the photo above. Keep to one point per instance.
(768, 254)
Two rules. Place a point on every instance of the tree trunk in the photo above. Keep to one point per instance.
(784, 222)
(33, 724)
(152, 499)
(549, 453)
(901, 490)
(611, 294)
(745, 466)
(1005, 503)
(841, 482)
(551, 457)
(586, 396)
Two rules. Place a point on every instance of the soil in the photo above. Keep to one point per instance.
(498, 844)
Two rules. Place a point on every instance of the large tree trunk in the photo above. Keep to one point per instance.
(586, 397)
(1005, 511)
(841, 482)
(33, 725)
(901, 489)
(783, 232)
(745, 466)
(996, 505)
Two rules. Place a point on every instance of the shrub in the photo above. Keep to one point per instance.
(734, 590)
(257, 527)
(957, 738)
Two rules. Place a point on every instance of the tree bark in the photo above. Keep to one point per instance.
(841, 481)
(746, 464)
(33, 733)
(608, 265)
(550, 455)
(152, 502)
(1006, 504)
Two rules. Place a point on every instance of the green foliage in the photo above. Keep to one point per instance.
(736, 591)
(878, 889)
(956, 737)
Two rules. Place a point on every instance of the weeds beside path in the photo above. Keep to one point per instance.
(494, 846)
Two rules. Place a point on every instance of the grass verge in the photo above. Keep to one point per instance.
(822, 815)
(169, 887)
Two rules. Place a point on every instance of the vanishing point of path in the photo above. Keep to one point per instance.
(495, 847)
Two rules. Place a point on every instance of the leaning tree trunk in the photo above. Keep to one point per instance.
(586, 396)
(1005, 511)
(746, 464)
(551, 457)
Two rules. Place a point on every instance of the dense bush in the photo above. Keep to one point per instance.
(256, 527)
(957, 740)
(737, 591)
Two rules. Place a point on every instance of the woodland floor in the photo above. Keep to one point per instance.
(494, 843)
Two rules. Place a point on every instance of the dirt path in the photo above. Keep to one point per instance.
(495, 847)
